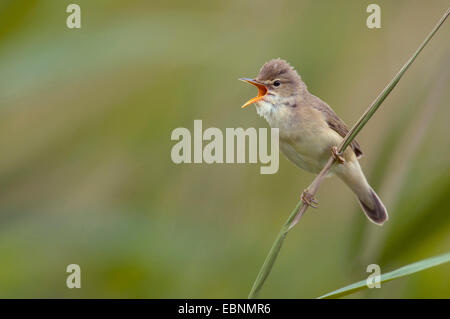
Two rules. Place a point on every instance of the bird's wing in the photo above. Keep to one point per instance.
(336, 124)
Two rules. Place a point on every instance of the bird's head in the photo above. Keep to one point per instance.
(277, 80)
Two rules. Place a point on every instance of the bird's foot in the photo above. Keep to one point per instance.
(308, 199)
(338, 157)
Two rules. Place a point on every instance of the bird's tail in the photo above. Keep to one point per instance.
(369, 201)
(373, 208)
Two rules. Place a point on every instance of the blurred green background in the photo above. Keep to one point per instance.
(86, 175)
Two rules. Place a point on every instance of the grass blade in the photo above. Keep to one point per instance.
(398, 273)
(382, 96)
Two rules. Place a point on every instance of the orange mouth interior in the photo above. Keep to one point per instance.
(262, 90)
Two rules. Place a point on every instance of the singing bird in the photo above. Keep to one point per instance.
(310, 131)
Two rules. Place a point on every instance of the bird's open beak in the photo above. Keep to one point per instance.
(262, 90)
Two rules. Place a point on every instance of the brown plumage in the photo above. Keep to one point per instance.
(336, 124)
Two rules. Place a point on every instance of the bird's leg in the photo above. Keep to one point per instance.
(338, 157)
(308, 199)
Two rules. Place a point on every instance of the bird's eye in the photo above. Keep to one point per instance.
(277, 83)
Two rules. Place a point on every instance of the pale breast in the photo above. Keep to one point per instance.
(308, 143)
(300, 159)
(305, 137)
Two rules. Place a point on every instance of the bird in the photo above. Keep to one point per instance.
(310, 131)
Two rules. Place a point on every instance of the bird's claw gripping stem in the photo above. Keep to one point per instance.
(338, 157)
(308, 199)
